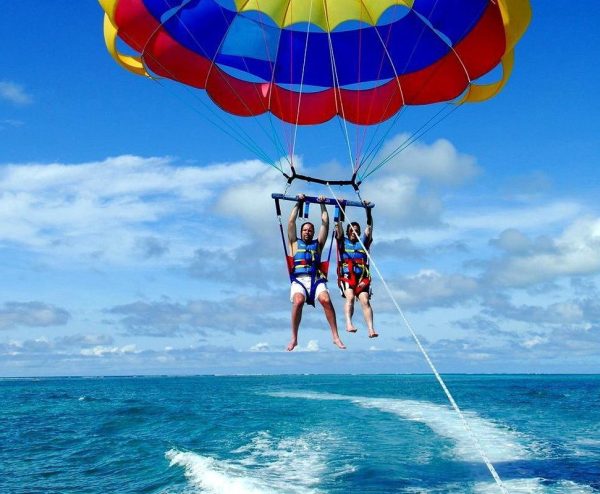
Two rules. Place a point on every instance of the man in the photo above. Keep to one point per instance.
(308, 283)
(354, 278)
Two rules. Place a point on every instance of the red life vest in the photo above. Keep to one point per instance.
(353, 266)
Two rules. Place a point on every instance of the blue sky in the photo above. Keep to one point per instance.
(135, 237)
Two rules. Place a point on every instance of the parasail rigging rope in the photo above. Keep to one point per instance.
(426, 127)
(239, 134)
(336, 85)
(455, 406)
(301, 84)
(411, 139)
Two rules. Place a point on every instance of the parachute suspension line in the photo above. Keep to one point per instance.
(285, 153)
(261, 152)
(269, 135)
(301, 84)
(428, 25)
(361, 133)
(226, 126)
(367, 150)
(289, 127)
(391, 61)
(279, 145)
(284, 126)
(336, 87)
(240, 136)
(287, 186)
(373, 152)
(424, 128)
(415, 136)
(384, 45)
(273, 136)
(360, 158)
(455, 406)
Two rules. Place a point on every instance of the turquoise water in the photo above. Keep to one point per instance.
(298, 434)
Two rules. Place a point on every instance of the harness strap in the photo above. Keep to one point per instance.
(358, 282)
(318, 276)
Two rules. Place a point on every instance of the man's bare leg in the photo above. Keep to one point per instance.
(297, 306)
(367, 313)
(330, 315)
(349, 310)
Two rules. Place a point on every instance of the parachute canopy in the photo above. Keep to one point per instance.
(306, 61)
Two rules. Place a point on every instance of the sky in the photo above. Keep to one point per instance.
(136, 237)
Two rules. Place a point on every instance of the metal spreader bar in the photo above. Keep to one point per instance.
(315, 200)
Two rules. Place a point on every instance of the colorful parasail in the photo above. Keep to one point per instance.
(307, 61)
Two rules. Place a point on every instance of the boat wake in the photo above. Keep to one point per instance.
(265, 465)
(501, 444)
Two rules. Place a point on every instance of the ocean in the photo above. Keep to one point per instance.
(299, 434)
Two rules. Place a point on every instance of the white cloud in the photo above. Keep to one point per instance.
(399, 202)
(10, 123)
(431, 288)
(129, 209)
(557, 349)
(515, 230)
(521, 218)
(35, 345)
(512, 240)
(117, 208)
(251, 201)
(14, 93)
(477, 356)
(101, 351)
(528, 186)
(260, 347)
(534, 341)
(32, 314)
(438, 162)
(165, 318)
(83, 340)
(576, 252)
(127, 176)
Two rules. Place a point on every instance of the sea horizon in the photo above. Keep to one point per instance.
(87, 376)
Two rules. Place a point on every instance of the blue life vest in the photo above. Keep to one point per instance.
(307, 258)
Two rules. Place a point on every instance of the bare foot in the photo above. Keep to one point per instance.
(293, 344)
(373, 334)
(351, 329)
(337, 342)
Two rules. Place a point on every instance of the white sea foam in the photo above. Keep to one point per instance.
(265, 465)
(519, 486)
(500, 443)
(218, 477)
(534, 486)
(585, 446)
(588, 441)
